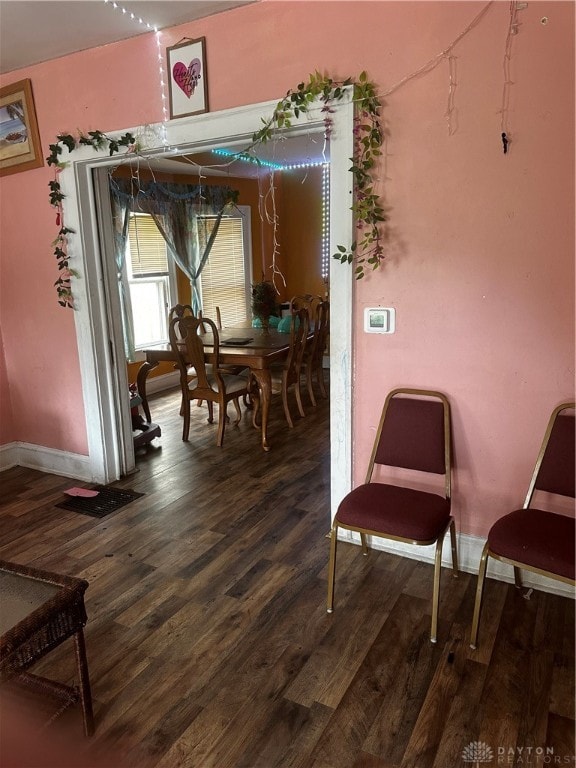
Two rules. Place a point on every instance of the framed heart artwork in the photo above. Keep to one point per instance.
(186, 64)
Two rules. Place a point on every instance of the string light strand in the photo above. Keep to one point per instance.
(451, 113)
(508, 82)
(433, 63)
(161, 74)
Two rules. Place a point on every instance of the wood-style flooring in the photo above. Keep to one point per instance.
(208, 640)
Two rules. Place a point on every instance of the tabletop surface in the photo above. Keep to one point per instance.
(257, 340)
(20, 595)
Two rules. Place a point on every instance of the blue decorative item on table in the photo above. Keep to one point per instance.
(272, 322)
(285, 324)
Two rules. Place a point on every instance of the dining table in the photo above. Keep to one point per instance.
(253, 348)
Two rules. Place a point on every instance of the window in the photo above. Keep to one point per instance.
(151, 280)
(227, 275)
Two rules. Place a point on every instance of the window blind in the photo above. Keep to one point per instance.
(224, 275)
(148, 256)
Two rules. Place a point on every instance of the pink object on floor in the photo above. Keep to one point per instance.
(86, 492)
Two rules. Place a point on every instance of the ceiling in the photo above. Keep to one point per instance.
(33, 31)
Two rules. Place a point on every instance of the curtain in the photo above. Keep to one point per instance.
(120, 219)
(179, 211)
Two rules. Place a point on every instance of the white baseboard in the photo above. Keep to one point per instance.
(160, 383)
(469, 554)
(64, 463)
(44, 459)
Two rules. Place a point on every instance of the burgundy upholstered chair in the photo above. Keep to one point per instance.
(414, 433)
(532, 538)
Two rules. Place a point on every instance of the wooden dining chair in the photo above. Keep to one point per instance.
(234, 369)
(178, 311)
(212, 383)
(414, 434)
(313, 364)
(533, 538)
(312, 361)
(288, 374)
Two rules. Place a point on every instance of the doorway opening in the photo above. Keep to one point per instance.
(98, 325)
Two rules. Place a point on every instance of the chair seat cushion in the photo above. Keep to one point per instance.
(231, 382)
(390, 509)
(537, 538)
(234, 383)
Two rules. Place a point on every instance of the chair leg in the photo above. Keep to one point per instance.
(221, 424)
(436, 591)
(364, 544)
(479, 590)
(238, 411)
(186, 422)
(332, 567)
(321, 382)
(454, 549)
(517, 578)
(210, 405)
(286, 406)
(298, 394)
(309, 386)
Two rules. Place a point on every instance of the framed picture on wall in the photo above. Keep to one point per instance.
(20, 148)
(186, 64)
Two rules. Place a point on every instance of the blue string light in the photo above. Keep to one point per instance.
(325, 254)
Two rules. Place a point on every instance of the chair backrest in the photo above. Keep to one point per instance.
(180, 310)
(299, 328)
(554, 471)
(321, 320)
(186, 342)
(317, 314)
(414, 433)
(218, 320)
(305, 301)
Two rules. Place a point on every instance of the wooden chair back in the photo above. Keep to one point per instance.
(321, 321)
(188, 347)
(178, 311)
(299, 329)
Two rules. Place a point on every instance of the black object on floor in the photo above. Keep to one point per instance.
(107, 501)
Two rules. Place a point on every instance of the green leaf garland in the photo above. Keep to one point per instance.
(365, 252)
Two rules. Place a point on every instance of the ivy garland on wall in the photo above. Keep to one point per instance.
(366, 251)
(98, 141)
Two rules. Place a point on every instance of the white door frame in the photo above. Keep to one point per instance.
(95, 345)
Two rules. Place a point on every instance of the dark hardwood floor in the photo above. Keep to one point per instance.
(208, 639)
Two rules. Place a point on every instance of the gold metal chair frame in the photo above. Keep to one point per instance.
(438, 541)
(487, 552)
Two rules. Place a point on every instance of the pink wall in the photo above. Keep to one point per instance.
(481, 268)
